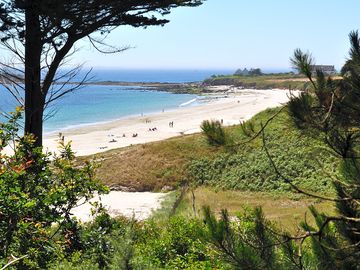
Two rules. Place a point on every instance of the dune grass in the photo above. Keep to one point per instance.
(287, 211)
(152, 166)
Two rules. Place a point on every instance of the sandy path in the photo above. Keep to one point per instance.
(236, 107)
(139, 205)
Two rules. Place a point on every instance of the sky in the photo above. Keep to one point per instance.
(231, 34)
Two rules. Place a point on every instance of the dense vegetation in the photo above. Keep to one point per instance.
(248, 167)
(37, 195)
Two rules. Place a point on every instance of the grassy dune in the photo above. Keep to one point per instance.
(152, 166)
(170, 163)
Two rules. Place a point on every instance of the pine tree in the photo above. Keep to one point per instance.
(331, 111)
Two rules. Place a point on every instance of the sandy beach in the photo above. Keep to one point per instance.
(232, 107)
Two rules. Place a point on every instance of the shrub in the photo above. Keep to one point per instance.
(37, 194)
(214, 132)
(177, 245)
(248, 128)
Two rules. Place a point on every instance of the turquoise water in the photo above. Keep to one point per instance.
(96, 103)
(104, 103)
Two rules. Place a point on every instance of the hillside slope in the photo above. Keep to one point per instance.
(168, 164)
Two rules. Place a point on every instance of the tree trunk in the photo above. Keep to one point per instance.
(34, 98)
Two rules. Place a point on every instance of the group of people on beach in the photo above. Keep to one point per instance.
(134, 135)
(113, 140)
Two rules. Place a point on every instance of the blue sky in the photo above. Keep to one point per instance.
(228, 34)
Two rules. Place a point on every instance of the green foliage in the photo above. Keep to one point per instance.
(174, 244)
(248, 128)
(299, 108)
(105, 243)
(334, 116)
(177, 245)
(249, 242)
(302, 62)
(36, 196)
(249, 169)
(214, 132)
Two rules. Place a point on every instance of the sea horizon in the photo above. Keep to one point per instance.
(173, 75)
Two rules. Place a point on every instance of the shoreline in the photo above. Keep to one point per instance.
(237, 106)
(76, 127)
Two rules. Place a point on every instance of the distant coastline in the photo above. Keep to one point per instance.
(210, 85)
(200, 84)
(186, 87)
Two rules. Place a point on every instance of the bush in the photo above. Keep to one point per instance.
(37, 194)
(177, 245)
(249, 241)
(214, 132)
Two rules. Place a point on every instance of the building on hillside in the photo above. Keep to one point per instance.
(326, 69)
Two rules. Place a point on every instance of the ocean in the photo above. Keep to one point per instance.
(163, 76)
(100, 103)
